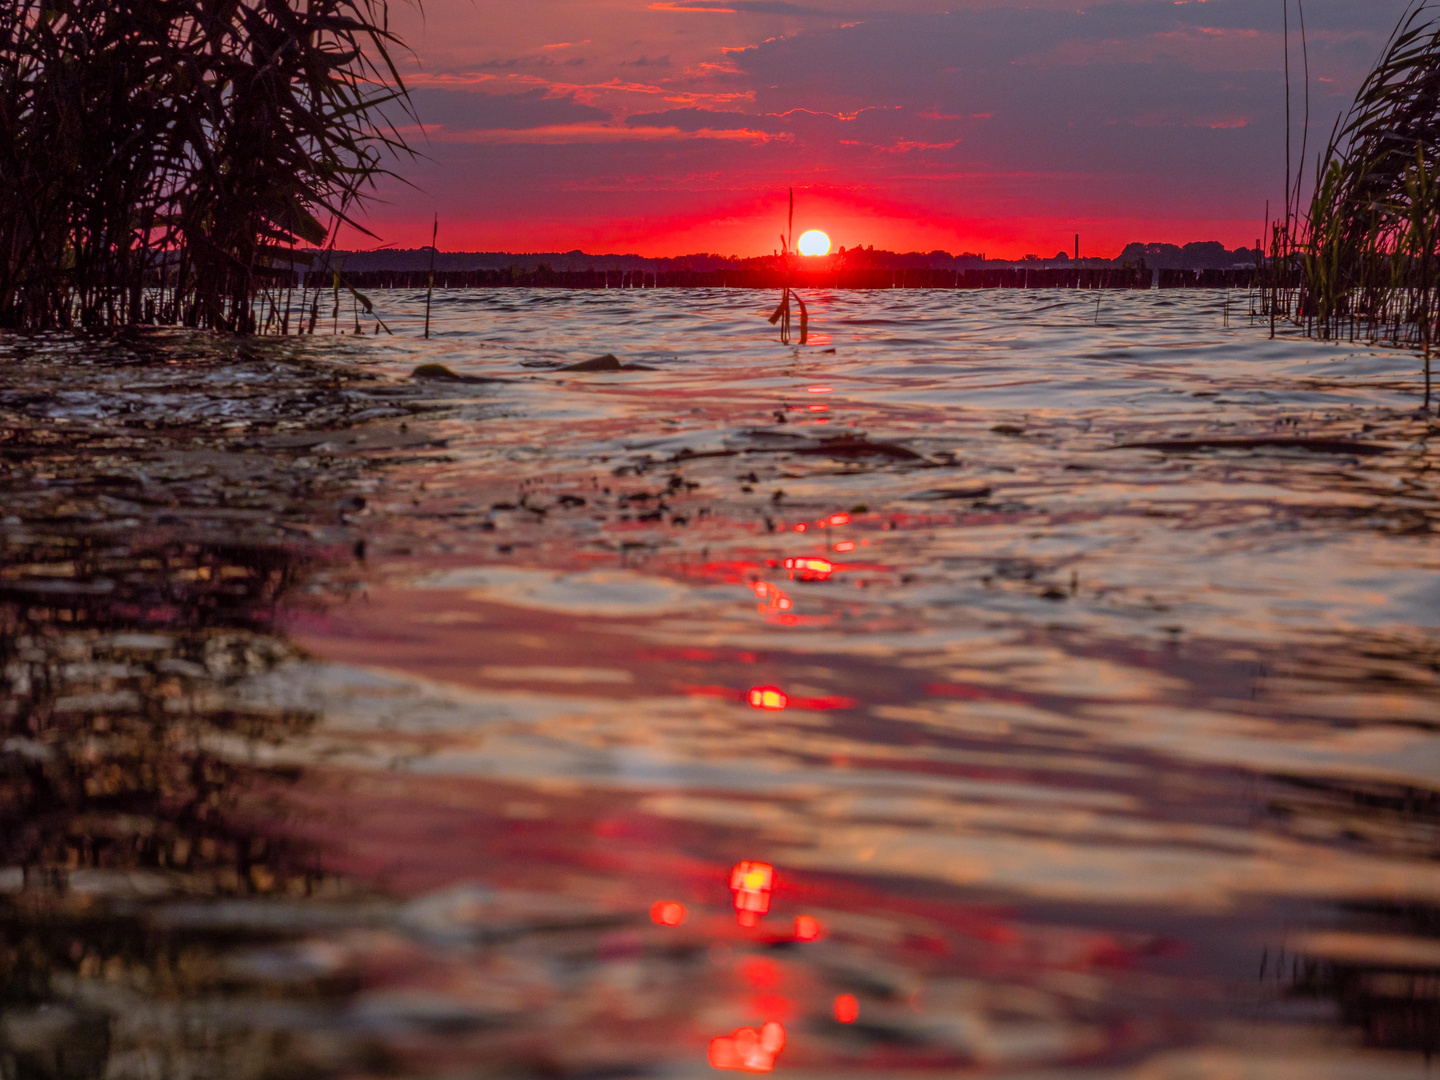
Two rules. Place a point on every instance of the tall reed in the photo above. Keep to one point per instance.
(1364, 261)
(161, 161)
(781, 314)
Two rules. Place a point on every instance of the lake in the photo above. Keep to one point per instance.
(1010, 683)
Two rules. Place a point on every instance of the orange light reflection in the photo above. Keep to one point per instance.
(749, 1050)
(751, 882)
(668, 913)
(808, 928)
(810, 569)
(768, 697)
(847, 1009)
(774, 599)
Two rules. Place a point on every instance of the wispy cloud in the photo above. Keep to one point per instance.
(569, 134)
(448, 81)
(737, 7)
(614, 91)
(907, 146)
(1131, 110)
(843, 116)
(709, 69)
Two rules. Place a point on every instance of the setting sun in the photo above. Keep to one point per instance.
(814, 242)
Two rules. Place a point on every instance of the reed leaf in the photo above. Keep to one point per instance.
(159, 158)
(1366, 256)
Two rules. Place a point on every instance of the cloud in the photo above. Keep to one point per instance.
(906, 146)
(460, 109)
(695, 119)
(620, 92)
(530, 61)
(570, 134)
(993, 110)
(737, 7)
(710, 69)
(842, 116)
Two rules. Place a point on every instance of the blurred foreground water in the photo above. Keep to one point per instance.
(1075, 669)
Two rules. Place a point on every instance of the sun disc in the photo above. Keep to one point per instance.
(814, 242)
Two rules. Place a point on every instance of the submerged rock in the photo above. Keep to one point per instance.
(605, 363)
(857, 446)
(980, 491)
(441, 373)
(1314, 445)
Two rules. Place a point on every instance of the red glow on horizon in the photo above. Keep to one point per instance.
(845, 545)
(839, 519)
(745, 227)
(749, 1050)
(668, 913)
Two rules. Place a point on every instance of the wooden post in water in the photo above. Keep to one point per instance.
(430, 289)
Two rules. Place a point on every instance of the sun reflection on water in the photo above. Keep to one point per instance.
(749, 1050)
(1109, 732)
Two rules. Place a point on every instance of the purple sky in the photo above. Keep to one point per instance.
(672, 126)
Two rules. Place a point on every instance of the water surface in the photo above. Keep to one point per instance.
(1076, 667)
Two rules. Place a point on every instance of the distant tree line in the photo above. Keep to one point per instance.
(158, 158)
(1208, 255)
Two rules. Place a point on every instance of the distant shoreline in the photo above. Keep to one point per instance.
(1209, 255)
(803, 277)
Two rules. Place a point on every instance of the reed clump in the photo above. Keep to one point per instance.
(1364, 261)
(161, 161)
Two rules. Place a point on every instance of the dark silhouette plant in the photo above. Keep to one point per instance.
(781, 314)
(160, 160)
(1368, 251)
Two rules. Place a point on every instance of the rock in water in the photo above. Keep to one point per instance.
(600, 363)
(605, 363)
(441, 373)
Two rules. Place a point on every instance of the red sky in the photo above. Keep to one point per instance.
(665, 127)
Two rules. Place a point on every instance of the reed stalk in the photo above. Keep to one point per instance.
(781, 314)
(1363, 260)
(160, 162)
(430, 285)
